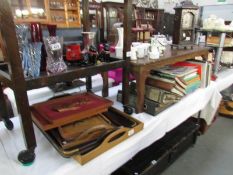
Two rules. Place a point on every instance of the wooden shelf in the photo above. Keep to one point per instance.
(72, 9)
(51, 8)
(72, 73)
(51, 11)
(185, 29)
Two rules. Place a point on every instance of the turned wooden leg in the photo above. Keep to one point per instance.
(27, 156)
(88, 84)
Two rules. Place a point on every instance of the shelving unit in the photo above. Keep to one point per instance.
(11, 74)
(63, 13)
(29, 10)
(114, 14)
(149, 18)
(94, 14)
(219, 47)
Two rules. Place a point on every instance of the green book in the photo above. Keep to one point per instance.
(161, 96)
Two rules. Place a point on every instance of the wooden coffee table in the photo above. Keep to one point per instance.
(141, 68)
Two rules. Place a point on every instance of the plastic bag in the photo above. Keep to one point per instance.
(55, 62)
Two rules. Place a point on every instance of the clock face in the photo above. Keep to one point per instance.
(187, 20)
(186, 36)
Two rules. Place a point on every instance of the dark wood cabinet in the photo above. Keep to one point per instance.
(112, 16)
(149, 18)
(147, 22)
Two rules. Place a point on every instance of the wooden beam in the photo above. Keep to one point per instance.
(128, 11)
(86, 18)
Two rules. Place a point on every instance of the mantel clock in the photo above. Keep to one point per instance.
(185, 21)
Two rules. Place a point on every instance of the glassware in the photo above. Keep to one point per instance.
(36, 32)
(34, 59)
(88, 41)
(52, 29)
(55, 62)
(30, 53)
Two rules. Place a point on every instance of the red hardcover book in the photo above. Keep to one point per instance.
(71, 108)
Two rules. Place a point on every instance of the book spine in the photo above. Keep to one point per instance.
(159, 84)
(163, 75)
(189, 77)
(192, 88)
(194, 80)
(180, 82)
(155, 77)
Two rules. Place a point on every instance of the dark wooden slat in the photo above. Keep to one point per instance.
(71, 74)
(128, 10)
(9, 36)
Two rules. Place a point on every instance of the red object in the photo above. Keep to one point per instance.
(36, 32)
(101, 47)
(52, 29)
(116, 74)
(73, 52)
(71, 108)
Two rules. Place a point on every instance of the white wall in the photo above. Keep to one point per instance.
(169, 6)
(211, 2)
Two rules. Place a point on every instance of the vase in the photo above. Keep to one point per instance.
(52, 29)
(89, 51)
(54, 49)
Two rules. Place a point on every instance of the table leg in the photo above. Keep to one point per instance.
(88, 84)
(140, 87)
(3, 111)
(26, 156)
(219, 53)
(105, 84)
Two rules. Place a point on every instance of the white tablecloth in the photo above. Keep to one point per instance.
(48, 161)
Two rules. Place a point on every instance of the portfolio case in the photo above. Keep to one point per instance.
(154, 159)
(64, 110)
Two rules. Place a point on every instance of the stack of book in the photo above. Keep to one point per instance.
(170, 83)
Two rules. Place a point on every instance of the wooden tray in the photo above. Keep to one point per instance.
(127, 128)
(61, 111)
